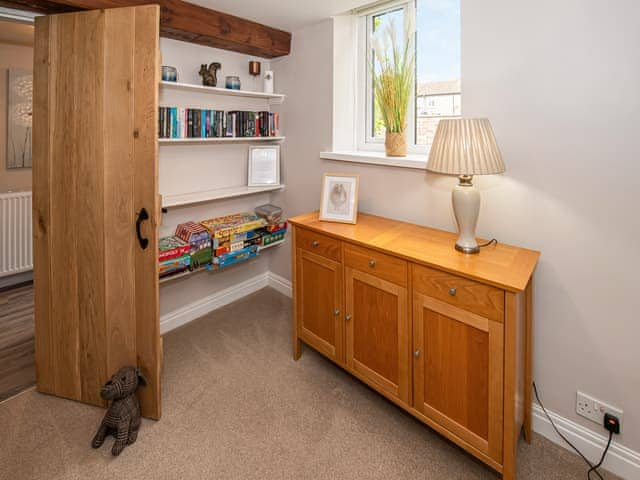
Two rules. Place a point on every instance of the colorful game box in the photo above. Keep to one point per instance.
(199, 241)
(224, 227)
(232, 258)
(171, 247)
(174, 265)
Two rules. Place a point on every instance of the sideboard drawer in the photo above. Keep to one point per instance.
(386, 267)
(462, 292)
(319, 244)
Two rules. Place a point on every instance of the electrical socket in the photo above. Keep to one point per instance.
(594, 409)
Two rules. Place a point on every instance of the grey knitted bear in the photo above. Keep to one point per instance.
(122, 419)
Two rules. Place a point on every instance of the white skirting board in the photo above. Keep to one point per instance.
(620, 460)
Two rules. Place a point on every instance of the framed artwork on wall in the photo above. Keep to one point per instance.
(264, 166)
(19, 112)
(339, 198)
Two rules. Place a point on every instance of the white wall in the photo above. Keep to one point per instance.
(190, 168)
(559, 81)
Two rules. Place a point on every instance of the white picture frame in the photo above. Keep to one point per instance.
(264, 166)
(339, 198)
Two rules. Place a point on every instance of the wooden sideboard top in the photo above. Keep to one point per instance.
(501, 265)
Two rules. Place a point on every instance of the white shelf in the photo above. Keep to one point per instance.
(275, 244)
(274, 98)
(182, 141)
(187, 273)
(217, 194)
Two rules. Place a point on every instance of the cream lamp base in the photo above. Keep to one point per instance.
(466, 206)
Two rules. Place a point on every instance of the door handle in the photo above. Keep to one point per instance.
(142, 216)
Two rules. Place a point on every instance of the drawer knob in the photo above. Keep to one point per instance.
(315, 243)
(336, 312)
(372, 263)
(347, 317)
(452, 292)
(417, 353)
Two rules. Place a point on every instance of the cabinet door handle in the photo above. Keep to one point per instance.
(372, 263)
(315, 243)
(453, 291)
(347, 317)
(336, 312)
(417, 353)
(142, 216)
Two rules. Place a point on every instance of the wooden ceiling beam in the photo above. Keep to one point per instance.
(185, 21)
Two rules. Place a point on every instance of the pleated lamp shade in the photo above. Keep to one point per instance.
(465, 146)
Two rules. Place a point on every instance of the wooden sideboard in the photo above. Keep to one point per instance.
(443, 335)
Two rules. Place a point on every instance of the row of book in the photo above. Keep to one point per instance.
(178, 122)
(218, 242)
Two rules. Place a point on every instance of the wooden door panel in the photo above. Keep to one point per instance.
(377, 342)
(319, 303)
(87, 83)
(458, 374)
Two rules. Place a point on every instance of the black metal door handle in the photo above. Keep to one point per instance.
(142, 216)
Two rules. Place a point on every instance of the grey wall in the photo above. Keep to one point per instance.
(559, 81)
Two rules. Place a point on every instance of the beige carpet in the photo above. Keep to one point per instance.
(236, 406)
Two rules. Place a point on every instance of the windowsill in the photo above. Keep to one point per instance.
(414, 161)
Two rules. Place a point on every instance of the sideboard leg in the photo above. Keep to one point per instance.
(297, 349)
(528, 374)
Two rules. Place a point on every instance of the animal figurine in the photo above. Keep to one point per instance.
(210, 75)
(122, 419)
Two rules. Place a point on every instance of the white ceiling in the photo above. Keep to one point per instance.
(287, 15)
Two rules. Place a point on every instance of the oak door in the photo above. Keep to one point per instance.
(458, 365)
(377, 332)
(319, 303)
(94, 171)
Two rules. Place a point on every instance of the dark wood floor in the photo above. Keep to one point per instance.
(17, 367)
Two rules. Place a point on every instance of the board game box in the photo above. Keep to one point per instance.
(228, 225)
(171, 247)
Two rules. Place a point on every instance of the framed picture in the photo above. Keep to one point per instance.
(19, 118)
(339, 200)
(264, 166)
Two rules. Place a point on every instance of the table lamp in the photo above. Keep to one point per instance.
(465, 147)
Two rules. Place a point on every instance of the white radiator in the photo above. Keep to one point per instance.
(16, 252)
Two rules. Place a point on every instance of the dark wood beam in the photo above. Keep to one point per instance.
(188, 22)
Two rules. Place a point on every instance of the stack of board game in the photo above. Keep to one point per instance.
(199, 241)
(272, 233)
(173, 256)
(234, 237)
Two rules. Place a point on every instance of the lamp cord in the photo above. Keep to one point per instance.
(592, 468)
(492, 241)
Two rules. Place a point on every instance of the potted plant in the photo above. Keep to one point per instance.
(393, 70)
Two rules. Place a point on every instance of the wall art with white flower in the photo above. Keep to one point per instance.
(19, 113)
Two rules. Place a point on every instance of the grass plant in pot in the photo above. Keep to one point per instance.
(393, 68)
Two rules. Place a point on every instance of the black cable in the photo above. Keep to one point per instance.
(493, 240)
(604, 454)
(592, 467)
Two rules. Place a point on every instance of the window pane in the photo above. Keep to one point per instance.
(437, 64)
(381, 22)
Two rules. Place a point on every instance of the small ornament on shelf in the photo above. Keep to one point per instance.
(210, 74)
(254, 71)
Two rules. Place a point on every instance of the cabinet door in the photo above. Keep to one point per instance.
(94, 170)
(458, 365)
(377, 333)
(319, 303)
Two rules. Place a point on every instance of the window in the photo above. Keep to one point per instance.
(437, 92)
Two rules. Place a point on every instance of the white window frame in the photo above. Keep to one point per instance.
(364, 106)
